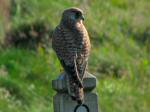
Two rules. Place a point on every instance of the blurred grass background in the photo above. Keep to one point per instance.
(120, 56)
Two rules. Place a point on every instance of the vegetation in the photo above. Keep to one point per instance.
(120, 57)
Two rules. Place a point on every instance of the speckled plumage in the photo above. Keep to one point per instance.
(71, 43)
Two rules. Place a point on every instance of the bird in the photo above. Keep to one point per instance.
(71, 43)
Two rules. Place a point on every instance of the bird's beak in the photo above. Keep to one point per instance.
(82, 17)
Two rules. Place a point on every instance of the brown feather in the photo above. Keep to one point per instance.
(72, 45)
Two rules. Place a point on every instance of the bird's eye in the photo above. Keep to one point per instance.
(77, 15)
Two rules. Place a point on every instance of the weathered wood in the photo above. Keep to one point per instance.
(63, 102)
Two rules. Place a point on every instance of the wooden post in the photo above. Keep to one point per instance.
(62, 101)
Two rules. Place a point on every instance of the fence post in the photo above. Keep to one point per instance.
(62, 101)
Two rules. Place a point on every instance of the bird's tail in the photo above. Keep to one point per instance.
(79, 95)
(74, 81)
(75, 91)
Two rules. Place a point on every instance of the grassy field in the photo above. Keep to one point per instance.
(120, 56)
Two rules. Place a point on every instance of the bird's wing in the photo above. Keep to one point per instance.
(66, 52)
(82, 69)
(72, 73)
(57, 42)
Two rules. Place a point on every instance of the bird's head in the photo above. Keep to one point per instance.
(72, 16)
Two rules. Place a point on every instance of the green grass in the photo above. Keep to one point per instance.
(120, 56)
(26, 76)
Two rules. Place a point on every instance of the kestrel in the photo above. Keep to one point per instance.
(71, 43)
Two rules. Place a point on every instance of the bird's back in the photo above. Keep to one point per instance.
(67, 43)
(72, 47)
(63, 44)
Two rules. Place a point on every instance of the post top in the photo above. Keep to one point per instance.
(59, 84)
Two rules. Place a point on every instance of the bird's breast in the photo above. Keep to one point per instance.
(82, 43)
